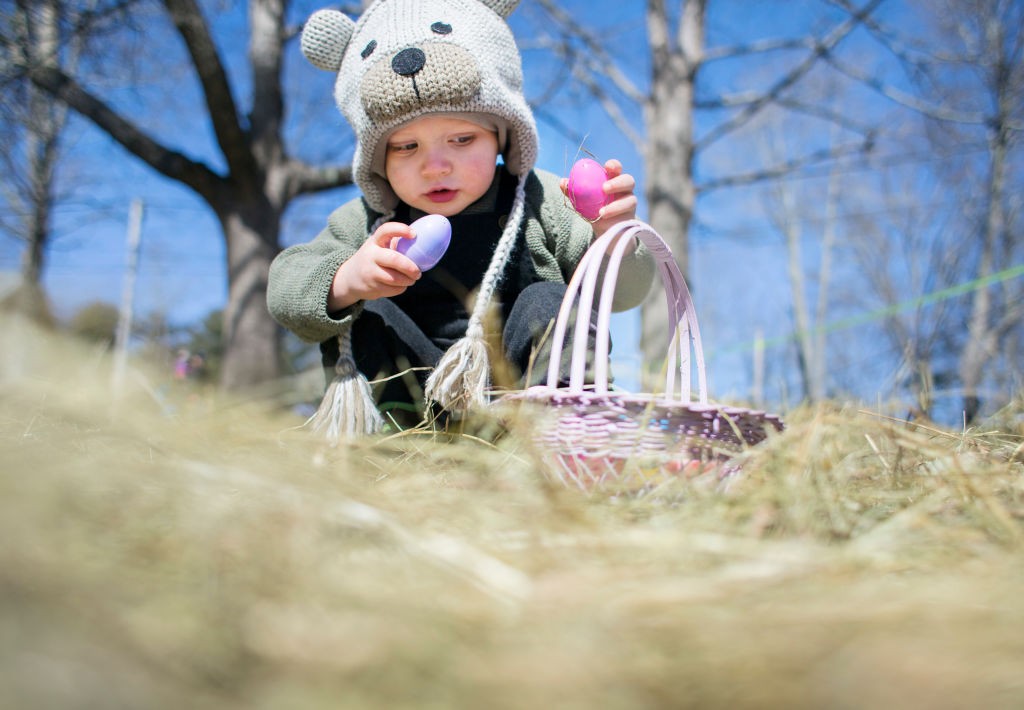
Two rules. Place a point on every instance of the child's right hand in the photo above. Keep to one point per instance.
(376, 270)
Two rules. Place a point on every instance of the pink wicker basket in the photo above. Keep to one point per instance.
(593, 437)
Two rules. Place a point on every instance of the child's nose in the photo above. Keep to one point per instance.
(436, 162)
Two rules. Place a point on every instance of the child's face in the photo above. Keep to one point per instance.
(441, 164)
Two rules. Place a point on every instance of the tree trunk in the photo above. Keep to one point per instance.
(982, 336)
(670, 190)
(981, 339)
(801, 315)
(38, 232)
(46, 121)
(251, 337)
(819, 372)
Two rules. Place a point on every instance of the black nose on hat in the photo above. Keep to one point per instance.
(408, 61)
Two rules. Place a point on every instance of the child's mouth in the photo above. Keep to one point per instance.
(442, 195)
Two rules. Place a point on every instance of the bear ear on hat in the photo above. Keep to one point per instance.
(324, 38)
(504, 8)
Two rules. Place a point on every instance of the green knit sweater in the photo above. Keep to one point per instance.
(557, 237)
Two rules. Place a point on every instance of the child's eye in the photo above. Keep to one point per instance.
(463, 140)
(402, 147)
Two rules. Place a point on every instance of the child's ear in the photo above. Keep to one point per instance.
(502, 7)
(324, 38)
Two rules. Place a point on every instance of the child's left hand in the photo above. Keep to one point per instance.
(622, 203)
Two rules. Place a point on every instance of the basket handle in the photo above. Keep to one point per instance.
(685, 335)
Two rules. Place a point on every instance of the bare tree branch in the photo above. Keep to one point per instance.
(87, 23)
(759, 47)
(657, 28)
(786, 167)
(690, 33)
(597, 49)
(820, 49)
(837, 118)
(162, 159)
(611, 108)
(890, 39)
(553, 120)
(305, 179)
(905, 53)
(936, 111)
(220, 103)
(560, 50)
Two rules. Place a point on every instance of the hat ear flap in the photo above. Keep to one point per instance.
(325, 37)
(503, 7)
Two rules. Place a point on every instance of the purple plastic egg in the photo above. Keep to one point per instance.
(432, 233)
(585, 181)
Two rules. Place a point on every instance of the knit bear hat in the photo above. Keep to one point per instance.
(400, 60)
(405, 58)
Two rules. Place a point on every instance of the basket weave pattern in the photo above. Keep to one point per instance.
(593, 437)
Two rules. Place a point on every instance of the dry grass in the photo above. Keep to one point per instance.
(216, 557)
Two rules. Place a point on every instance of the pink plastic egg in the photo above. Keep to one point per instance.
(585, 193)
(432, 233)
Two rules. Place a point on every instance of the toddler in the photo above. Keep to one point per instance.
(433, 91)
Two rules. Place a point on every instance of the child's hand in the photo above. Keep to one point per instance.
(621, 201)
(375, 271)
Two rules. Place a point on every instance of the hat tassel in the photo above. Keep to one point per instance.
(348, 408)
(461, 377)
